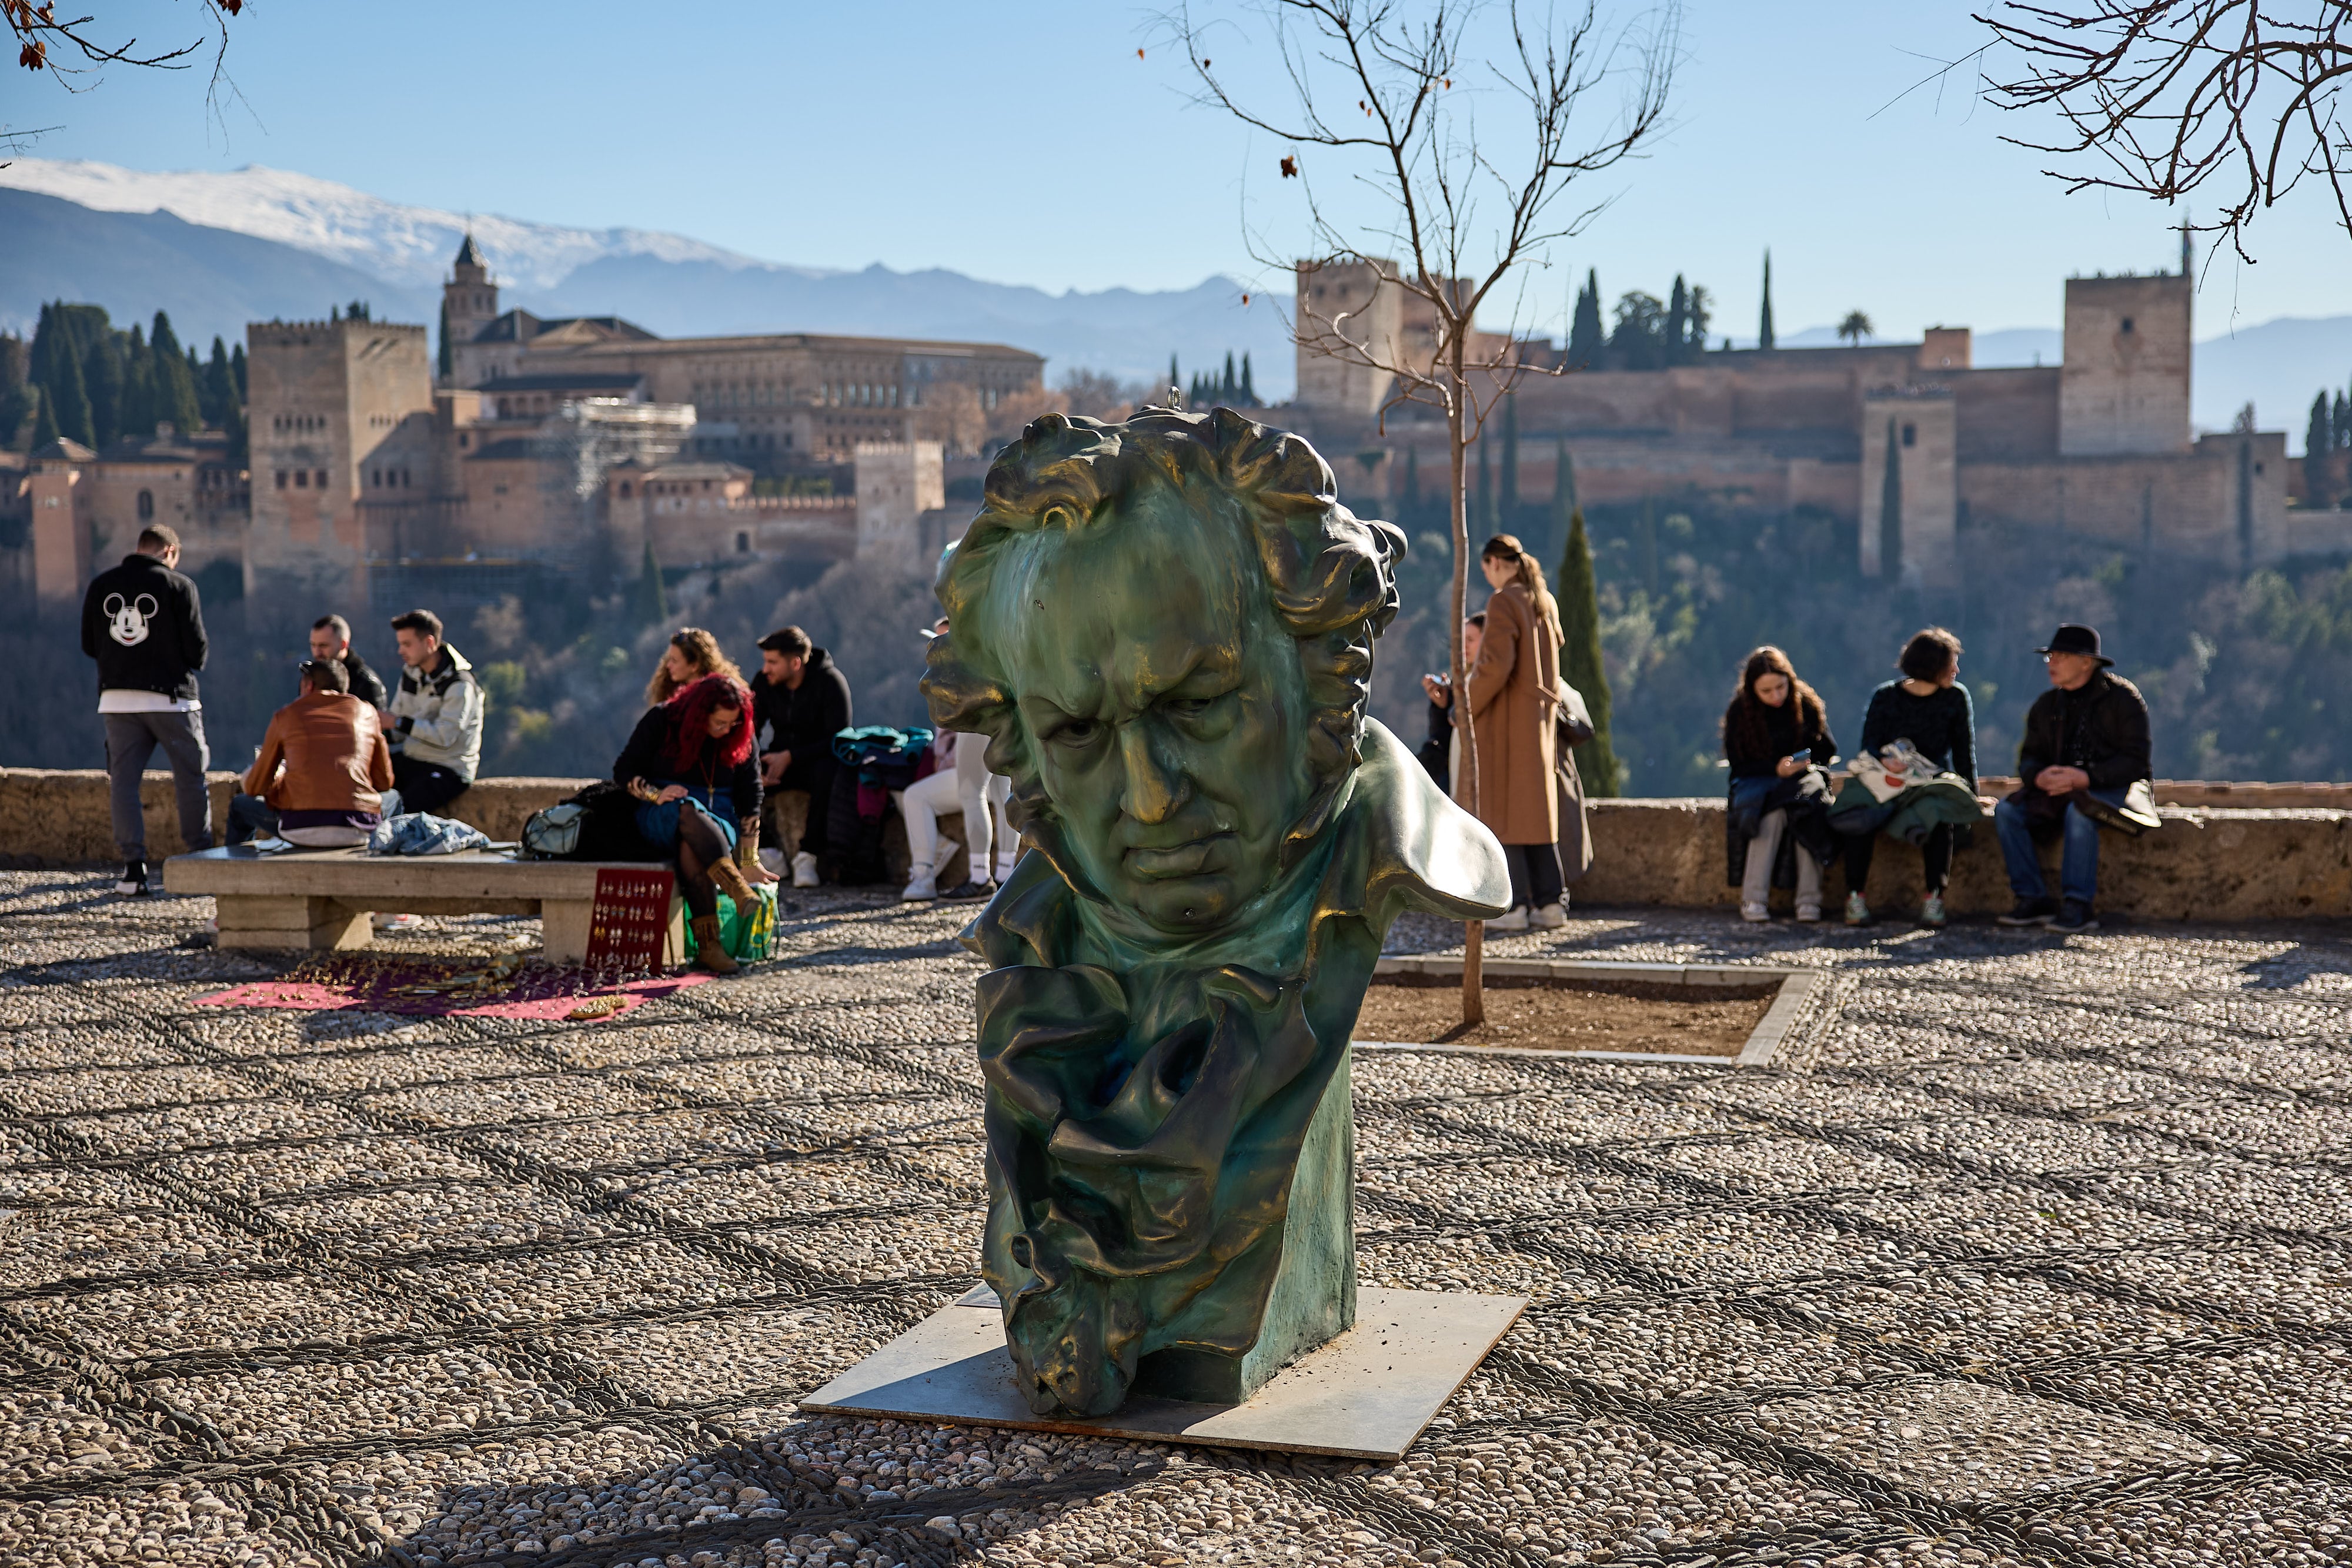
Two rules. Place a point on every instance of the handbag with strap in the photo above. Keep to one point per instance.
(1574, 719)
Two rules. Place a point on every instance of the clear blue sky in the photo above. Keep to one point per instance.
(1026, 143)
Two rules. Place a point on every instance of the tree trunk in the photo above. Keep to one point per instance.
(1474, 933)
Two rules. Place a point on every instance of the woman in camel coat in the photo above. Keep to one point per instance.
(1513, 697)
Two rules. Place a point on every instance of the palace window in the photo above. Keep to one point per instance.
(1910, 435)
(302, 478)
(743, 543)
(2127, 323)
(282, 478)
(146, 505)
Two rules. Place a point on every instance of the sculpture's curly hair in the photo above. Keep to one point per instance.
(1328, 575)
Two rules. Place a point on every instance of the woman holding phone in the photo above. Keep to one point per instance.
(1776, 736)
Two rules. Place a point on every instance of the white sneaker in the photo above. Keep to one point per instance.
(1517, 920)
(1810, 913)
(1755, 914)
(922, 887)
(1550, 917)
(398, 921)
(803, 868)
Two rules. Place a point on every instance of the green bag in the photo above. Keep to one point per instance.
(747, 937)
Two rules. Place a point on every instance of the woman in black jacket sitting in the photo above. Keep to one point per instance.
(689, 765)
(1930, 708)
(1776, 736)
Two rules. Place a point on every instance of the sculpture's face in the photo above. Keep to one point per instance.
(1164, 704)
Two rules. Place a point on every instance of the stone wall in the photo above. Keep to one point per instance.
(2204, 863)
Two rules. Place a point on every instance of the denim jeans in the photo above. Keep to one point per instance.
(249, 817)
(2078, 864)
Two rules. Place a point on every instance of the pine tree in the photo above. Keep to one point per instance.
(1579, 656)
(1584, 335)
(653, 597)
(1764, 321)
(1677, 322)
(45, 417)
(447, 363)
(219, 387)
(1890, 511)
(2343, 422)
(1249, 383)
(138, 413)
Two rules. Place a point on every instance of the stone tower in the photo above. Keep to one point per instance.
(469, 299)
(2124, 387)
(341, 421)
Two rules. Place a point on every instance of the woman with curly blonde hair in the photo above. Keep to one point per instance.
(692, 654)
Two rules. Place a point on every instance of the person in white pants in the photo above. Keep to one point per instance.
(981, 796)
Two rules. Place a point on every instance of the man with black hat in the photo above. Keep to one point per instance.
(2085, 745)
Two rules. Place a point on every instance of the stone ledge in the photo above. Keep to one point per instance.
(2204, 865)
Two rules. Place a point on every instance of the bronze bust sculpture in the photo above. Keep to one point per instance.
(1165, 629)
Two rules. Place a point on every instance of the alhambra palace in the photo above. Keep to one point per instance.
(576, 445)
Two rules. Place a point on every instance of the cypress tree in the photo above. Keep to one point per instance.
(1764, 321)
(652, 598)
(1563, 485)
(2318, 441)
(446, 361)
(1509, 487)
(70, 394)
(1174, 380)
(45, 417)
(2343, 422)
(1249, 383)
(1231, 390)
(236, 363)
(176, 388)
(1584, 335)
(1677, 322)
(219, 387)
(138, 413)
(1482, 499)
(1579, 657)
(1890, 510)
(102, 375)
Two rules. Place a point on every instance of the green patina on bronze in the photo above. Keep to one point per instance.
(1165, 629)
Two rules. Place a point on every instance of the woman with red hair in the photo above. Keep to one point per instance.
(689, 764)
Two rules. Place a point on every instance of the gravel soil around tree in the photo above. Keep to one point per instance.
(2031, 1251)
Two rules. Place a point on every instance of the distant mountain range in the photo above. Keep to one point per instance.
(220, 249)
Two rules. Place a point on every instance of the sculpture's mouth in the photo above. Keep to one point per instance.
(1192, 859)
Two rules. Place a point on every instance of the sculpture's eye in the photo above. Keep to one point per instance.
(1076, 732)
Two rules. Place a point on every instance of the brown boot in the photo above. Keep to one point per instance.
(707, 953)
(730, 881)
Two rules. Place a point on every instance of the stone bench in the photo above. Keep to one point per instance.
(322, 899)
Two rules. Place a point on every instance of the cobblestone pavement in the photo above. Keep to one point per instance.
(2038, 1254)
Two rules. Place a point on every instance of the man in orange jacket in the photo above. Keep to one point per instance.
(322, 767)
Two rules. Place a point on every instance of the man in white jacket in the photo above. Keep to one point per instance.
(435, 727)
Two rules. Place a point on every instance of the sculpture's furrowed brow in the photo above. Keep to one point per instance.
(1145, 672)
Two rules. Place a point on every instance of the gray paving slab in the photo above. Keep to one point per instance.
(2023, 1249)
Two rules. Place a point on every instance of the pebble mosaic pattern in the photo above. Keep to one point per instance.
(2031, 1252)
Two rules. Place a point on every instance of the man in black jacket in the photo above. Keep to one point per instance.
(2086, 736)
(142, 623)
(331, 638)
(799, 701)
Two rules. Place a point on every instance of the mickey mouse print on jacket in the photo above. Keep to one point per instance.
(144, 625)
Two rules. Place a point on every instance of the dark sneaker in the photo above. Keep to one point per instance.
(132, 884)
(970, 892)
(2031, 912)
(2076, 916)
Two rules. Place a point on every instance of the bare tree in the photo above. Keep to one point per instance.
(71, 48)
(1382, 96)
(2167, 98)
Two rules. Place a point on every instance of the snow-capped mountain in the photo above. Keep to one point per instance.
(403, 245)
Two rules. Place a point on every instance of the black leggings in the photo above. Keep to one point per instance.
(1935, 856)
(1534, 874)
(701, 846)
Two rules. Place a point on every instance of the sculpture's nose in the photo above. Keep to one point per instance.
(1154, 790)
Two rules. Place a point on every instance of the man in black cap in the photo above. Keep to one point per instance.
(2086, 737)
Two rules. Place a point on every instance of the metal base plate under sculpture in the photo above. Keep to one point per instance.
(1365, 1395)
